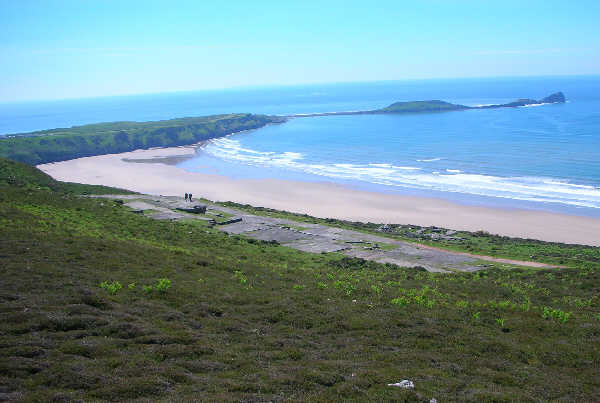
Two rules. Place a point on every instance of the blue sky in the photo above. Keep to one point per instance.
(68, 49)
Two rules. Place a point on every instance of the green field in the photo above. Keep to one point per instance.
(421, 106)
(99, 304)
(118, 137)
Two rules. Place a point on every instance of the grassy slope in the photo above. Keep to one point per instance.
(117, 137)
(421, 106)
(14, 175)
(256, 321)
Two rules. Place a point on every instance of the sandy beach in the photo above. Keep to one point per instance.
(154, 173)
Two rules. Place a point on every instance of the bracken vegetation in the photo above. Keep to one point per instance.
(234, 319)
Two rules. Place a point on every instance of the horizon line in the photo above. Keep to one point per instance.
(266, 86)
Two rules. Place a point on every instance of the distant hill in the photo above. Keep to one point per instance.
(556, 98)
(117, 137)
(421, 106)
(439, 106)
(442, 106)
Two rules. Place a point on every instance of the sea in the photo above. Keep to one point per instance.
(544, 157)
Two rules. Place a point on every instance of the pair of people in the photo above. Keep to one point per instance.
(188, 197)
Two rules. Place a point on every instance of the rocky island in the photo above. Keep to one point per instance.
(442, 106)
(118, 137)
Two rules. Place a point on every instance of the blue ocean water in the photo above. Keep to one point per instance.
(542, 157)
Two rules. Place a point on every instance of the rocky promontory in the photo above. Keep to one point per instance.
(440, 106)
(556, 98)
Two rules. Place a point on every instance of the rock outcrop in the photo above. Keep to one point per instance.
(439, 106)
(556, 98)
(197, 209)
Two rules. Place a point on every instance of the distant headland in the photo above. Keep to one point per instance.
(62, 144)
(440, 106)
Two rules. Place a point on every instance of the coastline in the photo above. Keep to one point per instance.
(153, 172)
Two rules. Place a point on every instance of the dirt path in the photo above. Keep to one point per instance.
(496, 259)
(318, 238)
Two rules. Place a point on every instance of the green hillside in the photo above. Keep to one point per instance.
(443, 106)
(421, 106)
(201, 315)
(117, 137)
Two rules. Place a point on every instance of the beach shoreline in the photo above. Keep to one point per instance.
(153, 172)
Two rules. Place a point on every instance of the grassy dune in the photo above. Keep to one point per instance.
(240, 319)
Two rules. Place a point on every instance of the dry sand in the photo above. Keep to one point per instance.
(318, 199)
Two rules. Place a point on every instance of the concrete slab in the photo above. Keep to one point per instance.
(243, 227)
(140, 205)
(316, 245)
(314, 238)
(162, 215)
(278, 234)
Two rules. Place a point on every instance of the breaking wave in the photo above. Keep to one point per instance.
(537, 189)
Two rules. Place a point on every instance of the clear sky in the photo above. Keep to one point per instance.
(80, 48)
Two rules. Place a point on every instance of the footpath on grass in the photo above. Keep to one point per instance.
(316, 238)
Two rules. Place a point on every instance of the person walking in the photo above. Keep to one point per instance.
(190, 197)
(186, 197)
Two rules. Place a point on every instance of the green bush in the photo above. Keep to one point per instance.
(112, 287)
(402, 301)
(552, 313)
(239, 275)
(163, 285)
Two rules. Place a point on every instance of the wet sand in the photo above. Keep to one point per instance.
(154, 173)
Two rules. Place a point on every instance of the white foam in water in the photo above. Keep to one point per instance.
(430, 159)
(531, 105)
(394, 166)
(537, 189)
